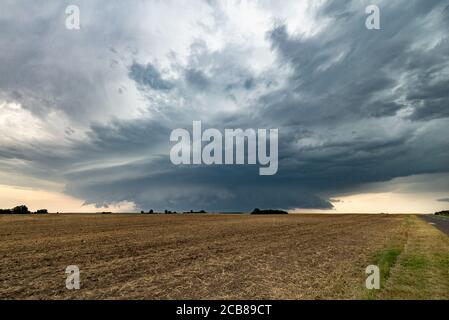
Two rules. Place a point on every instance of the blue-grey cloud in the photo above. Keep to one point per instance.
(353, 106)
(149, 76)
(197, 78)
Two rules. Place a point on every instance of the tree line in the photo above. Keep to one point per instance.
(22, 210)
(171, 212)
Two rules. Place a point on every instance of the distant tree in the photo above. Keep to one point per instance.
(269, 211)
(142, 212)
(151, 211)
(5, 211)
(20, 210)
(192, 211)
(442, 213)
(42, 211)
(166, 211)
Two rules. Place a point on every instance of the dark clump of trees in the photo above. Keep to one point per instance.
(22, 210)
(443, 213)
(17, 210)
(171, 212)
(268, 211)
(192, 211)
(149, 212)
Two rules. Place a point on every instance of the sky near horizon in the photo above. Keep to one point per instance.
(363, 115)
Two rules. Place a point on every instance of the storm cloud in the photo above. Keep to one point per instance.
(93, 109)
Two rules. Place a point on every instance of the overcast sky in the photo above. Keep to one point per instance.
(363, 115)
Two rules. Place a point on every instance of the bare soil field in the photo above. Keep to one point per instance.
(193, 256)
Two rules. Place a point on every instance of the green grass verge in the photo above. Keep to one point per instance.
(415, 266)
(385, 260)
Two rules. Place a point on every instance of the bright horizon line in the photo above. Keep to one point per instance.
(362, 203)
(245, 212)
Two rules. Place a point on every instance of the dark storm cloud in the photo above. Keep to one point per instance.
(353, 106)
(149, 76)
(249, 84)
(153, 181)
(123, 136)
(431, 109)
(160, 187)
(444, 200)
(197, 78)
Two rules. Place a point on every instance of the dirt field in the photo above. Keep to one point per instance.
(192, 256)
